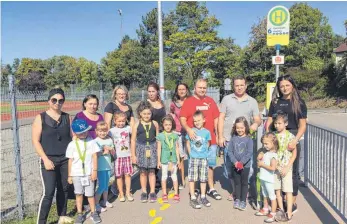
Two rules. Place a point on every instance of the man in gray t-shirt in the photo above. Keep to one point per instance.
(233, 106)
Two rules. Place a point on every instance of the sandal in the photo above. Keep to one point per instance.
(230, 197)
(214, 194)
(176, 198)
(165, 198)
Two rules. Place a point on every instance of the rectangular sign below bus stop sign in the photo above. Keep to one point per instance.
(278, 60)
(278, 20)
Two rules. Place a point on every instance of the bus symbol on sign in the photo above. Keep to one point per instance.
(278, 60)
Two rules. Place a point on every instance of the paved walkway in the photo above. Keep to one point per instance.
(311, 210)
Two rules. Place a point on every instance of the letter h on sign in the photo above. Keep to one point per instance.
(278, 16)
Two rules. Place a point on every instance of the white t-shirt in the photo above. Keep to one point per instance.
(121, 140)
(72, 153)
(267, 175)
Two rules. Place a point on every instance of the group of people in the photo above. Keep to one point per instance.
(82, 150)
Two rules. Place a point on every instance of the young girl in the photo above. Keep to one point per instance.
(144, 149)
(122, 165)
(168, 156)
(267, 163)
(240, 151)
(106, 146)
(83, 163)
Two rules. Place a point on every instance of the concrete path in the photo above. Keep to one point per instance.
(311, 210)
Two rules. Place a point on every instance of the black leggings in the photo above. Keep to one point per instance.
(52, 179)
(241, 183)
(296, 174)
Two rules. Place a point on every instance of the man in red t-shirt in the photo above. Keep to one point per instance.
(199, 101)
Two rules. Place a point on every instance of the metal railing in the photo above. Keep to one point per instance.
(326, 165)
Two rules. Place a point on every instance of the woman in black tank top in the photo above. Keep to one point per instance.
(158, 113)
(51, 136)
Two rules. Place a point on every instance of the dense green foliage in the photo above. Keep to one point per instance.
(192, 49)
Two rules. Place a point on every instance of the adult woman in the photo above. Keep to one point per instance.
(90, 105)
(181, 93)
(119, 96)
(158, 108)
(158, 113)
(50, 136)
(291, 103)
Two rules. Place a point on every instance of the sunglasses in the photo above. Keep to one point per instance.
(54, 101)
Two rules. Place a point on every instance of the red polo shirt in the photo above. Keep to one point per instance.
(209, 109)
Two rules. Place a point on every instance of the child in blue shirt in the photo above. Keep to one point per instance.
(198, 166)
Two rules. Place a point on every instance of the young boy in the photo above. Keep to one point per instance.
(82, 169)
(284, 171)
(198, 168)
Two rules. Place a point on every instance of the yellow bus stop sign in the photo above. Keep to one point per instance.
(278, 20)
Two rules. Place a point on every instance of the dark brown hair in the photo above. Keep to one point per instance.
(88, 97)
(240, 120)
(143, 106)
(168, 117)
(295, 98)
(175, 96)
(156, 87)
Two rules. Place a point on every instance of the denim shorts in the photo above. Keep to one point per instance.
(212, 156)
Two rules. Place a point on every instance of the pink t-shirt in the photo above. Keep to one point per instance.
(175, 110)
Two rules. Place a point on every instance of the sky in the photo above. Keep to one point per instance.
(91, 29)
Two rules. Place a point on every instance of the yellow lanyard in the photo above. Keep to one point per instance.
(147, 131)
(82, 157)
(170, 144)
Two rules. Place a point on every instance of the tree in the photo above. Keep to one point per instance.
(30, 74)
(62, 70)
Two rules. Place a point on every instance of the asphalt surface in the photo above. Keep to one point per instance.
(310, 209)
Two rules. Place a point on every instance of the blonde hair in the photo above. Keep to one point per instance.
(119, 114)
(114, 93)
(101, 125)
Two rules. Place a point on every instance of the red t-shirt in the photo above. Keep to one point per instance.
(209, 109)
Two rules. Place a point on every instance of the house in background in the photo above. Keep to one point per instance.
(340, 52)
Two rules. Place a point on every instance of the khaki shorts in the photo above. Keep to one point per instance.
(284, 183)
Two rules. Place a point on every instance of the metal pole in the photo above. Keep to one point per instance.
(278, 47)
(161, 60)
(101, 93)
(16, 147)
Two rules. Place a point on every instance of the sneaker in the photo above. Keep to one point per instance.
(195, 204)
(80, 219)
(108, 205)
(280, 216)
(242, 206)
(99, 208)
(95, 217)
(253, 204)
(270, 218)
(121, 198)
(152, 197)
(262, 212)
(205, 202)
(214, 194)
(295, 208)
(144, 197)
(236, 203)
(165, 198)
(181, 187)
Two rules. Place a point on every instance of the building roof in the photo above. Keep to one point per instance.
(341, 48)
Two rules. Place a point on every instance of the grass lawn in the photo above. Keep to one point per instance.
(52, 217)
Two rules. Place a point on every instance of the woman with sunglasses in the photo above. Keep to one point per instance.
(290, 102)
(51, 136)
(90, 106)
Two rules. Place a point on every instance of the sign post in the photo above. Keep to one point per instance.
(278, 20)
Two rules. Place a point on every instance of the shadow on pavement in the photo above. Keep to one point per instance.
(321, 211)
